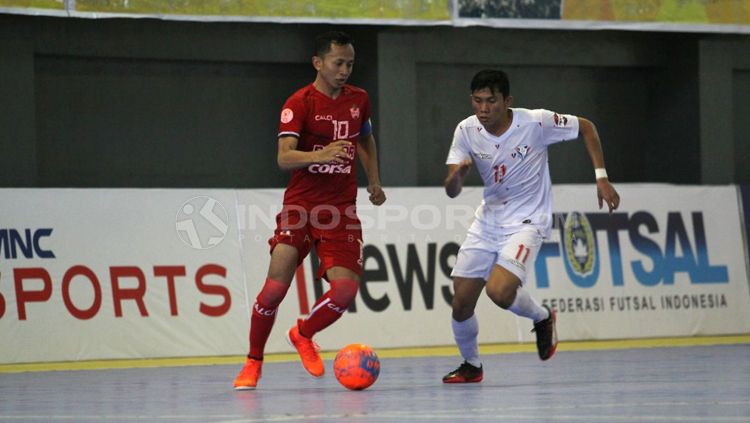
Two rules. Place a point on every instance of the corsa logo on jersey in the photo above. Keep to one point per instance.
(329, 168)
(332, 168)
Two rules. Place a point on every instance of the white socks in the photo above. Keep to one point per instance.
(524, 305)
(466, 334)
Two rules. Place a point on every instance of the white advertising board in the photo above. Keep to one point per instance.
(670, 262)
(109, 274)
(104, 274)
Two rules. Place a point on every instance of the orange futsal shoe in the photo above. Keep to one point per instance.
(249, 375)
(307, 349)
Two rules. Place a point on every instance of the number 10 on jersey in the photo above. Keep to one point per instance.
(340, 129)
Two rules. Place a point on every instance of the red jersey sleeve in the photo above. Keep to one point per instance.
(292, 117)
(366, 128)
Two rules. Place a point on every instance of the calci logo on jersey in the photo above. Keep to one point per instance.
(332, 168)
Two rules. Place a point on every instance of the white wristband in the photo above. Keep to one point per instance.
(601, 173)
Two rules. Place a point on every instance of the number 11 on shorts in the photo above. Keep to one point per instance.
(523, 251)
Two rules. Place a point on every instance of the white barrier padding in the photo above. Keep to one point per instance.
(111, 274)
(106, 274)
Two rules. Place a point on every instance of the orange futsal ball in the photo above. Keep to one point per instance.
(356, 366)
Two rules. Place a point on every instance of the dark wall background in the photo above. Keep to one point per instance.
(149, 103)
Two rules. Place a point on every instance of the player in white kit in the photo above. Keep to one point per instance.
(508, 147)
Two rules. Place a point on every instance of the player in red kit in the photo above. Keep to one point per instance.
(324, 127)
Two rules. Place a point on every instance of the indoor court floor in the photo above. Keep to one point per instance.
(662, 384)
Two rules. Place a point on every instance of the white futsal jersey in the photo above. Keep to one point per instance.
(513, 166)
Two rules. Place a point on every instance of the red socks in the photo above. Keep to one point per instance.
(329, 307)
(327, 310)
(264, 314)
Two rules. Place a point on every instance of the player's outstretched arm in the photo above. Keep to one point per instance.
(604, 189)
(454, 182)
(290, 158)
(368, 156)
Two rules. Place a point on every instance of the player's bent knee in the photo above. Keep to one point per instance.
(462, 313)
(343, 291)
(273, 293)
(501, 296)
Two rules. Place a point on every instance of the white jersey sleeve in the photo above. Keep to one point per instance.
(557, 127)
(460, 150)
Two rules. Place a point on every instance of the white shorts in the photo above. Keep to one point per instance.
(484, 247)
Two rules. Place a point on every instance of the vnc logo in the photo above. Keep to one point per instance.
(202, 223)
(581, 261)
(656, 254)
(26, 243)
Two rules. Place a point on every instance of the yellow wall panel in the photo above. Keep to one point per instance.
(375, 9)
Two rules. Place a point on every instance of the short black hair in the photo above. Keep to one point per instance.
(323, 41)
(494, 79)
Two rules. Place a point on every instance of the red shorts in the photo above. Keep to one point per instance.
(337, 237)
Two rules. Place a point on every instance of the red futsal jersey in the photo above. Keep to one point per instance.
(317, 120)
